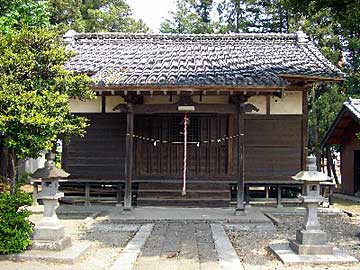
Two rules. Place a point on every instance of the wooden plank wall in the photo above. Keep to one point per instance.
(350, 143)
(101, 153)
(272, 147)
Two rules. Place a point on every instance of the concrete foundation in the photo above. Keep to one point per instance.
(288, 256)
(325, 249)
(67, 256)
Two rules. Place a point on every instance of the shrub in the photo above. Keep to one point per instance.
(15, 228)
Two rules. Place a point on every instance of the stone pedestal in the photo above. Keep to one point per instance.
(310, 239)
(49, 234)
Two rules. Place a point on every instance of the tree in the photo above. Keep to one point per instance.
(34, 91)
(16, 13)
(189, 17)
(94, 16)
(335, 27)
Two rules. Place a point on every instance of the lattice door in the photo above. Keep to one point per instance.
(206, 156)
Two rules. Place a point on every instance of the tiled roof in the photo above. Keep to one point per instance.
(353, 105)
(196, 60)
(350, 109)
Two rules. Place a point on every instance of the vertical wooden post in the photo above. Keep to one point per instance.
(304, 129)
(87, 194)
(278, 196)
(129, 156)
(118, 194)
(266, 193)
(241, 152)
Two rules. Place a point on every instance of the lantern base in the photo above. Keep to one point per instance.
(326, 249)
(50, 238)
(51, 245)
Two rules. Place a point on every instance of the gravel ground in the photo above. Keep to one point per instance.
(252, 246)
(107, 241)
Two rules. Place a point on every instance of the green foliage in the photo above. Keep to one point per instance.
(94, 16)
(16, 13)
(190, 17)
(15, 228)
(34, 92)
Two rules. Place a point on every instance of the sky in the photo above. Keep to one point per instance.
(152, 12)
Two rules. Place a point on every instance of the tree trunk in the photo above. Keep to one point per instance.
(333, 169)
(323, 162)
(12, 170)
(328, 160)
(4, 156)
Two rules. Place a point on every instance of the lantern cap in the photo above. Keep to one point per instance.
(311, 176)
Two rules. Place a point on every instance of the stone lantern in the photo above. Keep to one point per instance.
(310, 239)
(310, 245)
(49, 234)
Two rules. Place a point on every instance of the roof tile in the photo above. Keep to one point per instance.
(203, 60)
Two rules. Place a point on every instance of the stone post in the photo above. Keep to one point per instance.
(310, 239)
(49, 234)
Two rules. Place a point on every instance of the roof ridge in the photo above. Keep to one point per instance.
(71, 34)
(353, 104)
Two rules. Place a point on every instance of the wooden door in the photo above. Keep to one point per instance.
(207, 147)
(356, 171)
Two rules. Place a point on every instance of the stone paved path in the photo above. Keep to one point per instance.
(179, 246)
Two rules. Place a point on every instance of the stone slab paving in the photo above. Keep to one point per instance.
(179, 246)
(228, 259)
(176, 214)
(128, 256)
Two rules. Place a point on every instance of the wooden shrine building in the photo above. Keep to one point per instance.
(240, 99)
(344, 133)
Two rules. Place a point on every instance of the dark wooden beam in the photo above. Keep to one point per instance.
(231, 132)
(103, 103)
(241, 160)
(129, 156)
(304, 130)
(173, 108)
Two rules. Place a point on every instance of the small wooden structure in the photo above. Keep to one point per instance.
(343, 132)
(245, 96)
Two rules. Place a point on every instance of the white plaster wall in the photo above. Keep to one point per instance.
(218, 99)
(111, 102)
(165, 99)
(89, 106)
(259, 102)
(30, 165)
(291, 103)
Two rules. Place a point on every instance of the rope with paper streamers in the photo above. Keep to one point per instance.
(155, 142)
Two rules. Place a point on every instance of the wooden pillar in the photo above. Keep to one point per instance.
(266, 193)
(278, 196)
(118, 194)
(247, 195)
(331, 194)
(304, 129)
(87, 194)
(241, 152)
(129, 157)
